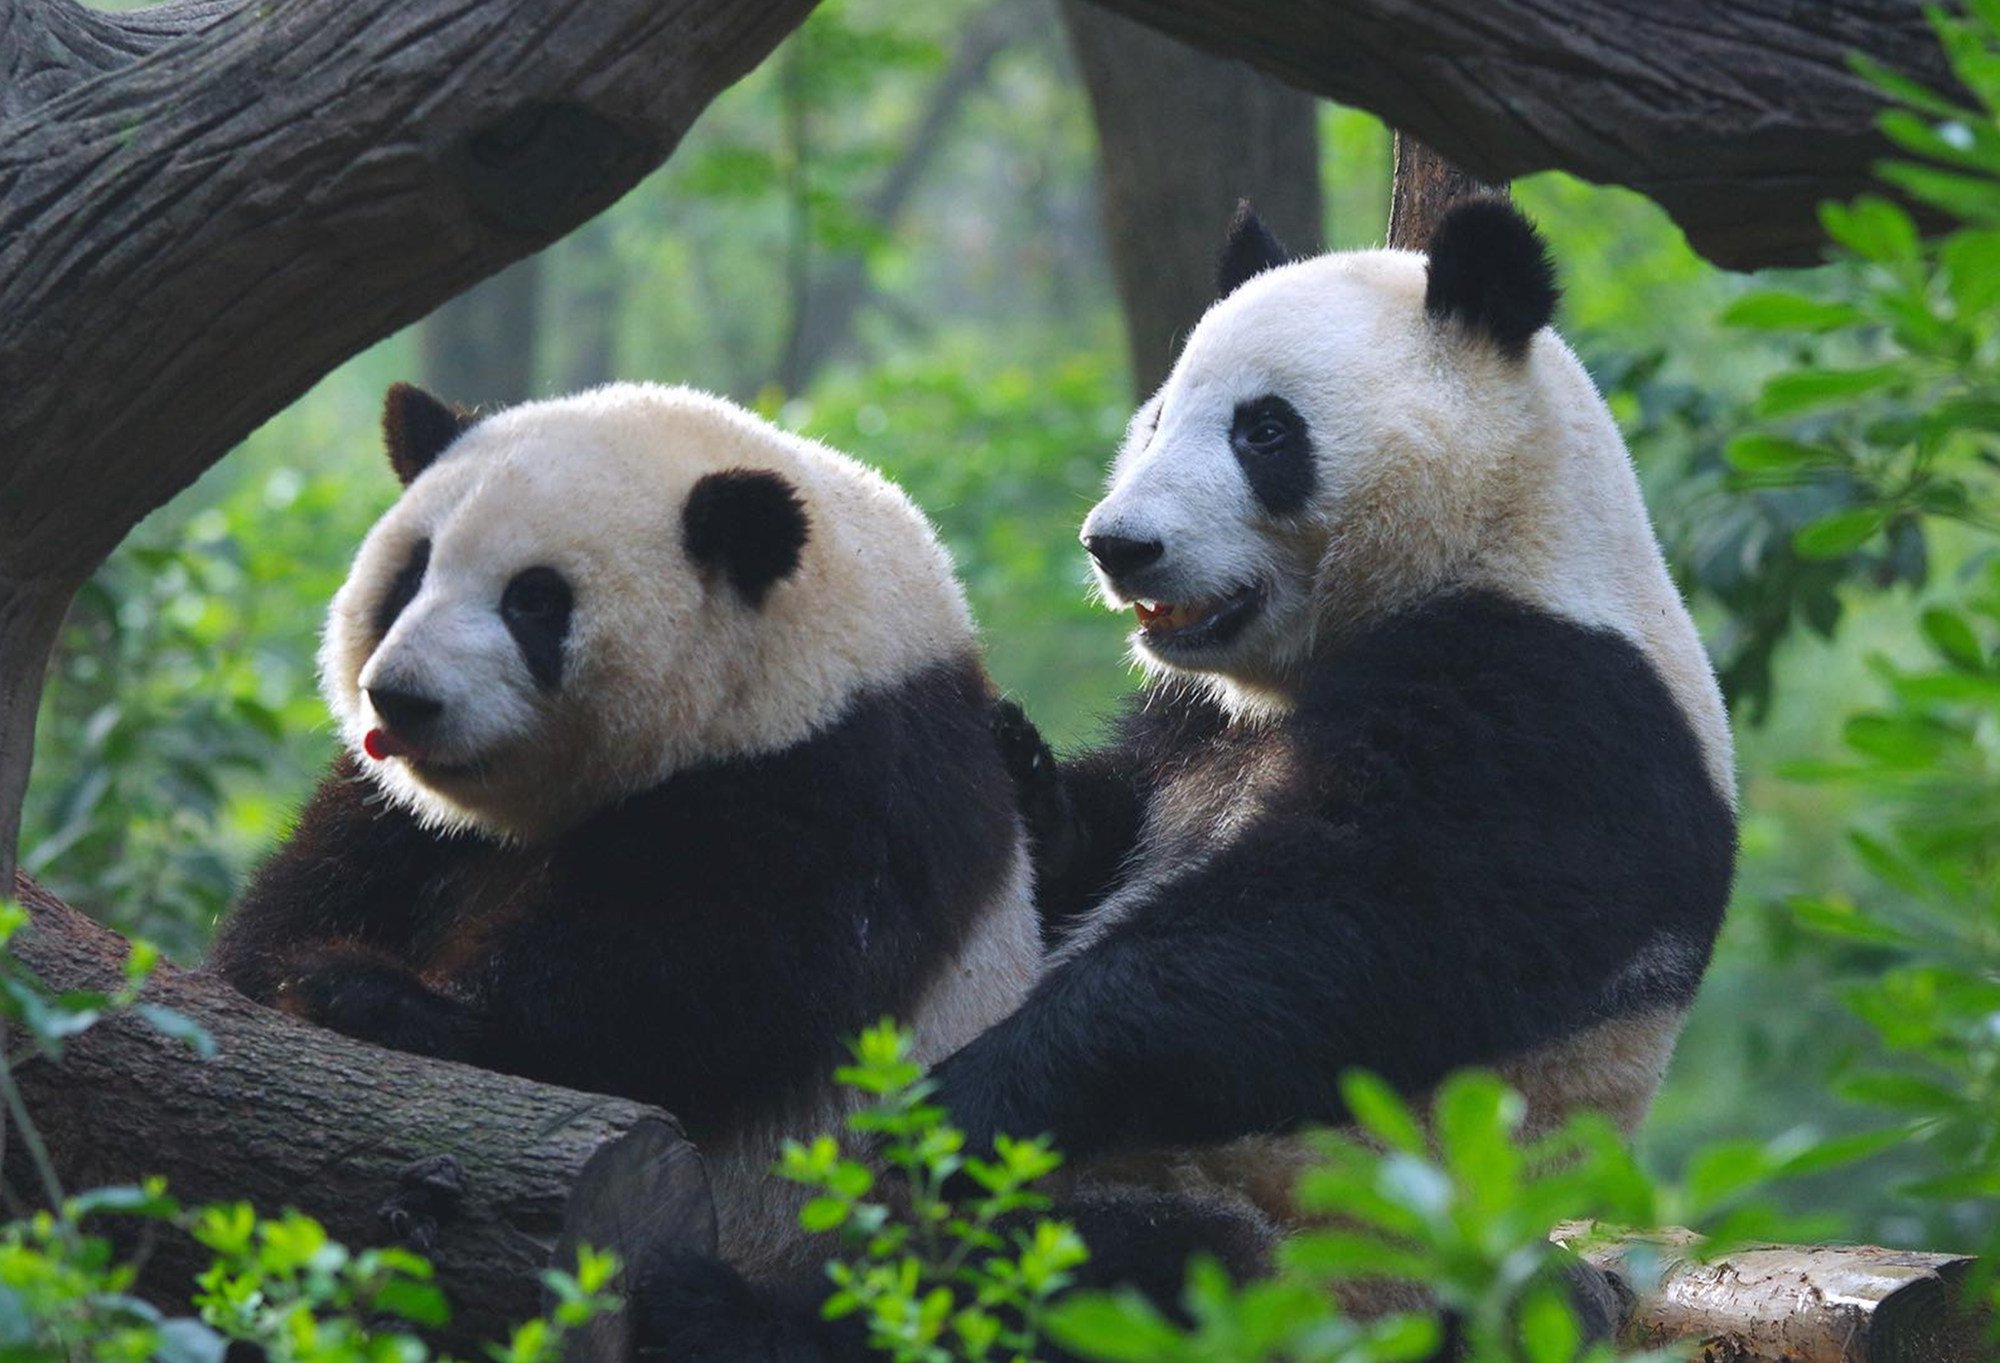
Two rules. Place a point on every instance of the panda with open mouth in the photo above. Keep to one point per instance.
(1431, 769)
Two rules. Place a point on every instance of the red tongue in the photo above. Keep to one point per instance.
(382, 745)
(1148, 614)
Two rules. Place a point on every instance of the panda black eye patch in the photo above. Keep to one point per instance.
(1271, 442)
(536, 608)
(403, 590)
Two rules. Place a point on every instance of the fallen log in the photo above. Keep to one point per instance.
(475, 1168)
(1789, 1303)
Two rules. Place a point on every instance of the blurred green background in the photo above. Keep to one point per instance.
(985, 368)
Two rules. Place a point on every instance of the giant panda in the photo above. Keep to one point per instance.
(1431, 769)
(668, 768)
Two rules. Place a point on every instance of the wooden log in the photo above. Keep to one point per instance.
(476, 1168)
(1790, 1303)
(1424, 186)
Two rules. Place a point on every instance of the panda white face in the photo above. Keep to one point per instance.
(1289, 403)
(575, 599)
(1326, 447)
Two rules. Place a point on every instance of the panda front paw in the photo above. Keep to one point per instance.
(1038, 784)
(379, 1003)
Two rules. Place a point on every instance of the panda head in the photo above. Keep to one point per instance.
(574, 599)
(1329, 445)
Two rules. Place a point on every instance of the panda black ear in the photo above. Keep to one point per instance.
(1250, 250)
(1490, 270)
(417, 428)
(749, 524)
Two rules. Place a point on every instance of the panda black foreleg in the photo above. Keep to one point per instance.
(364, 995)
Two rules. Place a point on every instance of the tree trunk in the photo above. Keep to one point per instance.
(188, 242)
(289, 1115)
(1424, 186)
(1736, 116)
(1181, 136)
(823, 318)
(479, 349)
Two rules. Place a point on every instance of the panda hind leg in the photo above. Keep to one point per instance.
(1143, 1238)
(694, 1308)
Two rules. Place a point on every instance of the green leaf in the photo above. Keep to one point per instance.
(1969, 197)
(1116, 1329)
(1803, 389)
(1548, 1328)
(1381, 1111)
(1901, 1093)
(1776, 311)
(1756, 453)
(180, 1027)
(823, 1214)
(1872, 228)
(1726, 1170)
(1837, 918)
(1838, 534)
(418, 1303)
(1953, 637)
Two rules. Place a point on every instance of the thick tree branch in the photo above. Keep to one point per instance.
(49, 46)
(190, 240)
(1737, 116)
(289, 1115)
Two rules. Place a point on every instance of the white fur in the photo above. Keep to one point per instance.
(1441, 464)
(664, 665)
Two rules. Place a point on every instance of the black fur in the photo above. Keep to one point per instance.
(536, 609)
(748, 523)
(403, 589)
(1274, 447)
(1249, 250)
(1490, 271)
(417, 428)
(1480, 817)
(704, 946)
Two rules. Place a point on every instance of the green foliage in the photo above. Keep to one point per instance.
(1453, 1199)
(934, 1279)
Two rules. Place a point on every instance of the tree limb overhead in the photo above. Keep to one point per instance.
(1737, 116)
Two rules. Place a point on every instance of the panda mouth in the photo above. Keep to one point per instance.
(1198, 624)
(384, 744)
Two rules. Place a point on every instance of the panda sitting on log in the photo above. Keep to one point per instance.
(1432, 770)
(669, 769)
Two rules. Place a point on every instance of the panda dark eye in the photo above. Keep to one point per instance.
(1274, 447)
(536, 609)
(535, 594)
(1267, 434)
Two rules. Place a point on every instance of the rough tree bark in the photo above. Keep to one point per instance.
(203, 209)
(289, 1115)
(1423, 187)
(1736, 116)
(480, 348)
(1181, 137)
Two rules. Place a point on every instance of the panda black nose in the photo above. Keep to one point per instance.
(1118, 556)
(404, 711)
